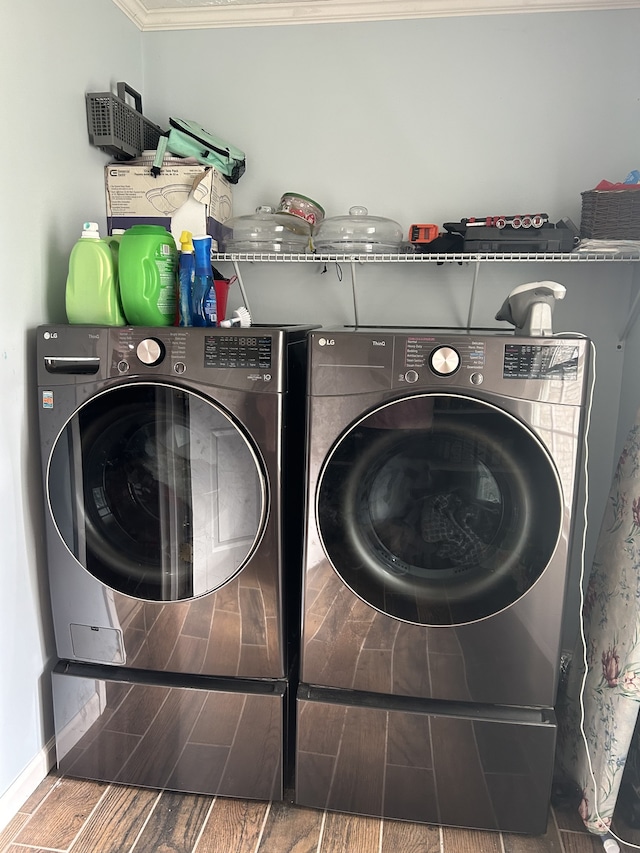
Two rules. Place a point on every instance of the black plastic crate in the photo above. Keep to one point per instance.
(558, 238)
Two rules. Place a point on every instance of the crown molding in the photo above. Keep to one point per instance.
(153, 16)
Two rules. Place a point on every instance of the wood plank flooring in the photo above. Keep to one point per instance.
(68, 815)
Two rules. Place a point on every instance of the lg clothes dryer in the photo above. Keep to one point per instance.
(173, 535)
(440, 492)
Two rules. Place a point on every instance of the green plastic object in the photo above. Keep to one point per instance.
(148, 268)
(92, 293)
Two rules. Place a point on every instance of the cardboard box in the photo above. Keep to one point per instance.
(184, 196)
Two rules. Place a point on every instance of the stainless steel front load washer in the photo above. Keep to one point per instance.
(441, 480)
(171, 526)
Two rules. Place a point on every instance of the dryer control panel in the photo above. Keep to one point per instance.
(442, 358)
(366, 360)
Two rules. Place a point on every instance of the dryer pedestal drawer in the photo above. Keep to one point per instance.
(204, 736)
(441, 763)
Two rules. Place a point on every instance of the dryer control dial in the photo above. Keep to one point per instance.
(444, 361)
(150, 351)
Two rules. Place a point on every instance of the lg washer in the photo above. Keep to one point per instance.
(441, 481)
(172, 520)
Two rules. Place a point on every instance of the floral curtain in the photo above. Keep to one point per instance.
(611, 616)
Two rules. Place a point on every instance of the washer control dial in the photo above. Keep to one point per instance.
(150, 351)
(444, 361)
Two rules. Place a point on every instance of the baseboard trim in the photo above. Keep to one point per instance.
(26, 783)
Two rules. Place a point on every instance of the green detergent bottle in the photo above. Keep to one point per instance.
(92, 294)
(148, 262)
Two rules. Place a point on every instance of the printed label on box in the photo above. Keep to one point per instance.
(184, 196)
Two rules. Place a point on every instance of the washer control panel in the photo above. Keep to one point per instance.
(196, 352)
(243, 359)
(255, 359)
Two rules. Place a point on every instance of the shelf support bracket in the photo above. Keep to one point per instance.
(353, 293)
(472, 297)
(633, 312)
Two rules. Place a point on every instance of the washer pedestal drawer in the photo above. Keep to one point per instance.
(198, 735)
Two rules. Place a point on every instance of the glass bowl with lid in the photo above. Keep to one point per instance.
(268, 230)
(303, 206)
(357, 233)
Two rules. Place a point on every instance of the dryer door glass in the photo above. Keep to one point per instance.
(439, 509)
(157, 492)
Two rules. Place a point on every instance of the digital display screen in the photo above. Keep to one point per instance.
(238, 351)
(534, 361)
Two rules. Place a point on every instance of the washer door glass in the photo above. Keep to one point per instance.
(439, 509)
(157, 492)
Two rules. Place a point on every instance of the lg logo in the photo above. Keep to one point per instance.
(326, 342)
(48, 335)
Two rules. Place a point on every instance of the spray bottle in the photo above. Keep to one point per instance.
(203, 306)
(186, 278)
(92, 294)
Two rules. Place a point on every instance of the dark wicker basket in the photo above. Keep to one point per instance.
(611, 214)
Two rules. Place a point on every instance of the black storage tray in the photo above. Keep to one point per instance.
(549, 238)
(118, 128)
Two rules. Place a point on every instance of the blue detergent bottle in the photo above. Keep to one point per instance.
(186, 278)
(203, 304)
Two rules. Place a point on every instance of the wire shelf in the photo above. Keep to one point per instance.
(420, 258)
(474, 259)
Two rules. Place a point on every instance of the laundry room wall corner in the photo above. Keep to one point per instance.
(52, 180)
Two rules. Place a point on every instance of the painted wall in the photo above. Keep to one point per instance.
(420, 121)
(51, 182)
